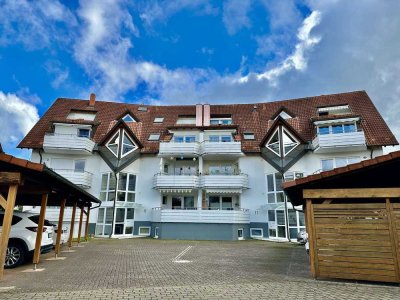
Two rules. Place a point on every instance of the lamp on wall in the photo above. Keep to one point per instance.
(194, 158)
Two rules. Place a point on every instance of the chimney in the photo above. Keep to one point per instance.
(199, 115)
(206, 115)
(92, 99)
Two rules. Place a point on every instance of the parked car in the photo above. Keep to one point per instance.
(21, 244)
(64, 234)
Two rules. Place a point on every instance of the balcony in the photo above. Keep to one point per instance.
(179, 149)
(67, 143)
(339, 142)
(226, 182)
(82, 179)
(175, 182)
(222, 148)
(236, 216)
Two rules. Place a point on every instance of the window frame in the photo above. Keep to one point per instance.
(154, 137)
(79, 130)
(256, 236)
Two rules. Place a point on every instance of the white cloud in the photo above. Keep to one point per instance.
(235, 15)
(17, 117)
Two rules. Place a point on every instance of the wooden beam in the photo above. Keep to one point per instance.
(311, 239)
(7, 178)
(60, 226)
(80, 226)
(3, 202)
(5, 233)
(351, 193)
(39, 233)
(87, 225)
(71, 229)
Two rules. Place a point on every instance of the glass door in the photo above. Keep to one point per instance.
(280, 224)
(129, 220)
(119, 221)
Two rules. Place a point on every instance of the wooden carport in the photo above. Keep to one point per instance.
(26, 183)
(353, 219)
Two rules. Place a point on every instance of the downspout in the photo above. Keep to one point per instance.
(372, 152)
(40, 155)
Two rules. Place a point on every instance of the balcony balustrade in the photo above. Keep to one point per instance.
(82, 179)
(339, 142)
(67, 143)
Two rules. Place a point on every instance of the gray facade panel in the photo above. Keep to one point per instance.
(200, 231)
(138, 224)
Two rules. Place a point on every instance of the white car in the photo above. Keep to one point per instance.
(64, 234)
(21, 244)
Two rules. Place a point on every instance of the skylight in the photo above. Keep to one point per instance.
(158, 119)
(248, 136)
(154, 137)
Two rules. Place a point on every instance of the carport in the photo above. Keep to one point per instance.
(353, 219)
(26, 183)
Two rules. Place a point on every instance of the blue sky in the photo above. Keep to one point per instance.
(193, 51)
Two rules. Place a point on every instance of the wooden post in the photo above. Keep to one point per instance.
(60, 226)
(39, 233)
(80, 225)
(71, 229)
(8, 214)
(87, 225)
(312, 239)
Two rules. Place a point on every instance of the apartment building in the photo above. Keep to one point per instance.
(203, 171)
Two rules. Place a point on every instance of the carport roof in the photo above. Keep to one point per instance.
(37, 179)
(379, 172)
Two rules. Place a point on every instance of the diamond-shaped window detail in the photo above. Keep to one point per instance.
(288, 141)
(128, 119)
(274, 144)
(121, 144)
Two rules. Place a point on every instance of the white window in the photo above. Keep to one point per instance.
(158, 119)
(186, 120)
(128, 118)
(284, 115)
(121, 144)
(248, 136)
(125, 184)
(84, 132)
(144, 231)
(282, 142)
(274, 188)
(256, 232)
(337, 162)
(221, 170)
(220, 203)
(220, 138)
(142, 108)
(337, 128)
(104, 221)
(184, 139)
(334, 110)
(221, 121)
(108, 185)
(154, 137)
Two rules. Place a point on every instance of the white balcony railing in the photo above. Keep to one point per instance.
(195, 215)
(162, 181)
(172, 148)
(339, 142)
(67, 143)
(83, 179)
(239, 181)
(221, 148)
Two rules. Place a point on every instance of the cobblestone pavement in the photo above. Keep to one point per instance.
(154, 269)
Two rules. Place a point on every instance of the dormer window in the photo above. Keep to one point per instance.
(128, 119)
(187, 120)
(284, 115)
(220, 120)
(121, 144)
(282, 142)
(336, 126)
(248, 136)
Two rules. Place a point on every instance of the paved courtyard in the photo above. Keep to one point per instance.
(157, 269)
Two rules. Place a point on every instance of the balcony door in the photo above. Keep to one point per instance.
(183, 202)
(124, 218)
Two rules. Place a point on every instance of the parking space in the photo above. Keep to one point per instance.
(146, 268)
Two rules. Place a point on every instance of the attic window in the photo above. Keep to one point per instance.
(248, 136)
(158, 119)
(154, 137)
(284, 115)
(128, 118)
(142, 108)
(121, 144)
(222, 120)
(189, 120)
(334, 110)
(81, 115)
(282, 142)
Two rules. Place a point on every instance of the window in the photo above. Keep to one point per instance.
(337, 128)
(256, 232)
(274, 188)
(185, 139)
(221, 121)
(271, 216)
(121, 144)
(289, 143)
(240, 234)
(273, 143)
(323, 130)
(128, 118)
(248, 136)
(79, 165)
(158, 119)
(187, 120)
(220, 138)
(83, 132)
(337, 162)
(284, 115)
(154, 137)
(183, 202)
(126, 187)
(282, 142)
(104, 221)
(221, 170)
(142, 108)
(220, 202)
(144, 231)
(334, 110)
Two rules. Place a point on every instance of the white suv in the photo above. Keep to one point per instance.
(21, 244)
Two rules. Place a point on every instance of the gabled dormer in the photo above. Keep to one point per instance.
(282, 146)
(120, 146)
(127, 117)
(284, 113)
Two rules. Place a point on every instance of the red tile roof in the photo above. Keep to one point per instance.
(256, 118)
